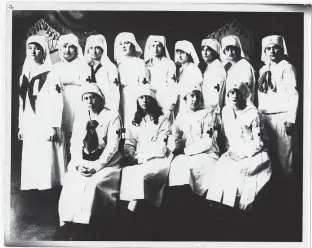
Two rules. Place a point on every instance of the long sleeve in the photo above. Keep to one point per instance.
(21, 111)
(53, 94)
(79, 131)
(113, 139)
(172, 84)
(115, 93)
(130, 142)
(289, 79)
(252, 85)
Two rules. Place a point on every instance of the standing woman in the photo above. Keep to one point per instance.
(93, 173)
(162, 73)
(65, 79)
(43, 156)
(214, 75)
(238, 69)
(102, 71)
(187, 62)
(132, 73)
(278, 101)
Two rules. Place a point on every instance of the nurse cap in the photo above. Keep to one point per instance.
(273, 39)
(145, 90)
(213, 44)
(188, 48)
(189, 88)
(232, 40)
(91, 88)
(242, 87)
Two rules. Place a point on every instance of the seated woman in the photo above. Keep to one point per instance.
(195, 141)
(245, 168)
(94, 171)
(147, 156)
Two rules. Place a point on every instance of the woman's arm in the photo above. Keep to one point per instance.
(113, 138)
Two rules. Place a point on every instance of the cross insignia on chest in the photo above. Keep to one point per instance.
(144, 81)
(210, 132)
(217, 87)
(174, 77)
(116, 82)
(58, 88)
(120, 131)
(89, 79)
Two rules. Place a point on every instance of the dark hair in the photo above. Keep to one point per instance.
(153, 108)
(37, 44)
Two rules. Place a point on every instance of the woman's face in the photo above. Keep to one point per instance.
(95, 52)
(69, 51)
(157, 48)
(236, 97)
(274, 52)
(181, 57)
(144, 102)
(208, 54)
(126, 48)
(192, 100)
(35, 52)
(232, 53)
(92, 101)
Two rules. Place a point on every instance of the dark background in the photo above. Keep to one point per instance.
(192, 26)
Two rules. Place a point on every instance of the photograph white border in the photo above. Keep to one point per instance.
(162, 6)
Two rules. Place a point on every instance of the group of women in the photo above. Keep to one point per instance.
(129, 130)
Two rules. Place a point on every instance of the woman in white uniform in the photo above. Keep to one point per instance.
(187, 61)
(162, 73)
(93, 175)
(65, 78)
(237, 68)
(278, 101)
(214, 75)
(43, 155)
(132, 73)
(194, 143)
(195, 136)
(102, 71)
(147, 167)
(245, 168)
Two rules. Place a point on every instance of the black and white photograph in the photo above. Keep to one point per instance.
(156, 123)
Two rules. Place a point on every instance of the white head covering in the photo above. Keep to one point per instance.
(242, 87)
(145, 90)
(91, 88)
(152, 38)
(273, 39)
(188, 48)
(73, 40)
(29, 63)
(125, 36)
(213, 44)
(231, 40)
(189, 88)
(97, 40)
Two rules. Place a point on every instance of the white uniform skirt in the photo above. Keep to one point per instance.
(195, 170)
(80, 194)
(230, 186)
(145, 181)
